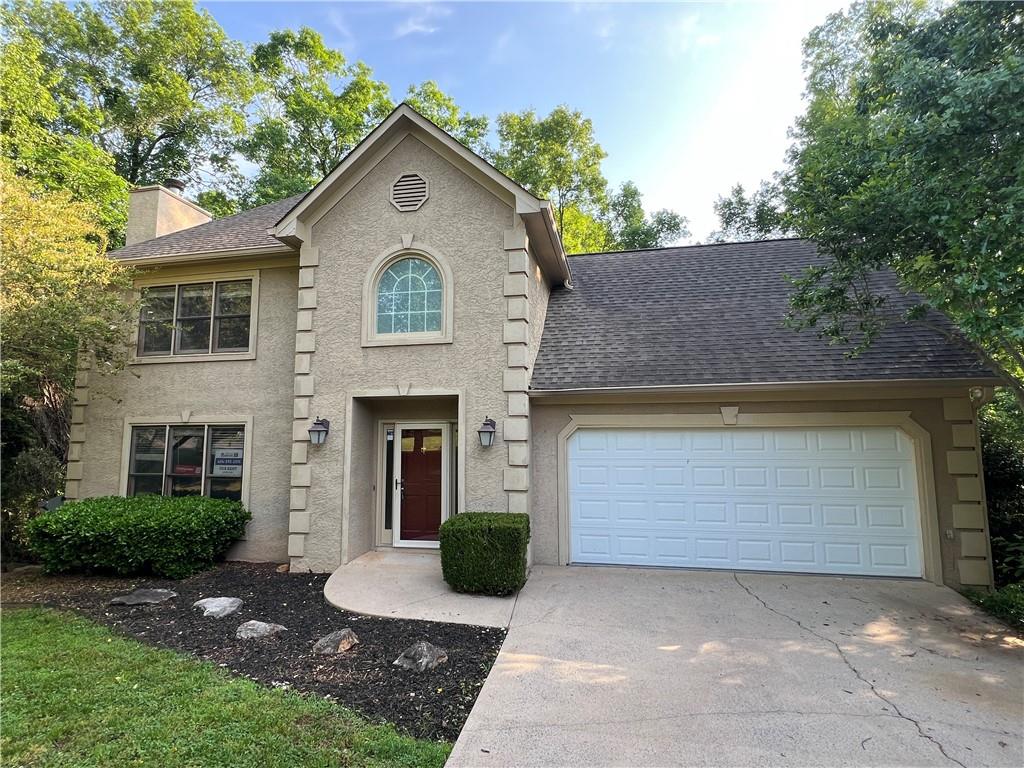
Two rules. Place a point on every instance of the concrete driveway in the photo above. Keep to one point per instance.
(631, 667)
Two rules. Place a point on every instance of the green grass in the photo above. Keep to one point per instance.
(1006, 603)
(76, 695)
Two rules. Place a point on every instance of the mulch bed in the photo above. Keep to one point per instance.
(432, 704)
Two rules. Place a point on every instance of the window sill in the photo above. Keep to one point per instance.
(205, 358)
(405, 340)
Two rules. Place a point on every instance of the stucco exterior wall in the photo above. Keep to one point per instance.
(963, 561)
(258, 389)
(465, 224)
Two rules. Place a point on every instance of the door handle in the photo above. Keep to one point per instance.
(400, 485)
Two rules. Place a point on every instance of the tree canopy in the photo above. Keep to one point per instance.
(909, 158)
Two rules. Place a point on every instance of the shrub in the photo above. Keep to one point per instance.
(485, 552)
(1006, 604)
(142, 535)
(1002, 447)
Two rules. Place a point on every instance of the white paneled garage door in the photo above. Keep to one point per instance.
(823, 500)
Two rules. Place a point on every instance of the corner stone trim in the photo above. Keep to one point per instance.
(516, 377)
(963, 462)
(305, 348)
(73, 477)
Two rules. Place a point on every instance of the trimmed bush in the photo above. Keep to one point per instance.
(485, 552)
(137, 536)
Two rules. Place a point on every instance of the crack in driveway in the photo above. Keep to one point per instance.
(852, 668)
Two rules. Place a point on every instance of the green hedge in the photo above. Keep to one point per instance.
(485, 552)
(142, 535)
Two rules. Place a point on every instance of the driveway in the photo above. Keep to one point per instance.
(614, 666)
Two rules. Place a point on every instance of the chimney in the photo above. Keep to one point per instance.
(160, 210)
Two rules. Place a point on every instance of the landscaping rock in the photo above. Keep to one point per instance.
(218, 607)
(421, 656)
(283, 568)
(336, 642)
(145, 597)
(257, 629)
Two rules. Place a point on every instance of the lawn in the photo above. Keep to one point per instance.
(76, 695)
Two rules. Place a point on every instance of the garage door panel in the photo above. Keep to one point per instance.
(656, 497)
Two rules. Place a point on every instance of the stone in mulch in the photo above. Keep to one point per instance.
(218, 607)
(430, 705)
(336, 642)
(421, 656)
(253, 630)
(145, 597)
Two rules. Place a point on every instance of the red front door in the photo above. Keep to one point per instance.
(422, 472)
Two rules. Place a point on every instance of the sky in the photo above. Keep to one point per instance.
(687, 99)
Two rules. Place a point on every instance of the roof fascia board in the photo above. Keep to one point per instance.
(403, 113)
(769, 386)
(263, 250)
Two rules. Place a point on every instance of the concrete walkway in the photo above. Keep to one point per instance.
(632, 667)
(407, 584)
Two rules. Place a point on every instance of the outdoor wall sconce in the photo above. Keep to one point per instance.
(486, 433)
(318, 432)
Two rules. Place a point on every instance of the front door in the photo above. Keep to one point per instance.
(420, 492)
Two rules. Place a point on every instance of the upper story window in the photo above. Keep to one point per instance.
(197, 318)
(410, 296)
(407, 298)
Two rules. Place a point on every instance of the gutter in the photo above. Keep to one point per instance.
(174, 258)
(764, 386)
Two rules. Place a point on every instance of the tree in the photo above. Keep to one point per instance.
(61, 294)
(37, 147)
(909, 158)
(429, 100)
(157, 85)
(631, 229)
(555, 157)
(749, 217)
(313, 109)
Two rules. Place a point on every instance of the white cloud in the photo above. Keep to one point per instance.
(346, 40)
(422, 21)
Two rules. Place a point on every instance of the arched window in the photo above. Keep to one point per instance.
(410, 298)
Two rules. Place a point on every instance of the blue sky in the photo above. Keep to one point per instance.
(686, 98)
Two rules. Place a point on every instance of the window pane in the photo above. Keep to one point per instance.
(155, 338)
(225, 488)
(148, 450)
(226, 447)
(409, 297)
(234, 298)
(141, 484)
(231, 334)
(157, 303)
(193, 336)
(186, 454)
(184, 486)
(195, 300)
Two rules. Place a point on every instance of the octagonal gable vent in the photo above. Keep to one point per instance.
(409, 192)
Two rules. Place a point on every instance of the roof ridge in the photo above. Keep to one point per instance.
(687, 247)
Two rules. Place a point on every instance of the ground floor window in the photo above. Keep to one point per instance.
(187, 460)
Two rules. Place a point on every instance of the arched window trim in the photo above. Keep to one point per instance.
(380, 265)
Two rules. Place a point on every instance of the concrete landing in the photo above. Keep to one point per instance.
(407, 584)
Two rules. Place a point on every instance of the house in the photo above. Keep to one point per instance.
(648, 408)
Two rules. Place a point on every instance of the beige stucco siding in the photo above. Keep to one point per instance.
(462, 223)
(932, 414)
(258, 389)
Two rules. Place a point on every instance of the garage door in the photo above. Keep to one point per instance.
(841, 501)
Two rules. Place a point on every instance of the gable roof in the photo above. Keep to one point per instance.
(242, 234)
(708, 315)
(404, 120)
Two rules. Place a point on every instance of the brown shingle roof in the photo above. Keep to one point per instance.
(713, 315)
(243, 230)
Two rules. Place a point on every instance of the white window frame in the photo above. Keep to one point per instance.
(371, 338)
(193, 279)
(176, 421)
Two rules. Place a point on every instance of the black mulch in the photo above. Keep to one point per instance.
(431, 705)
